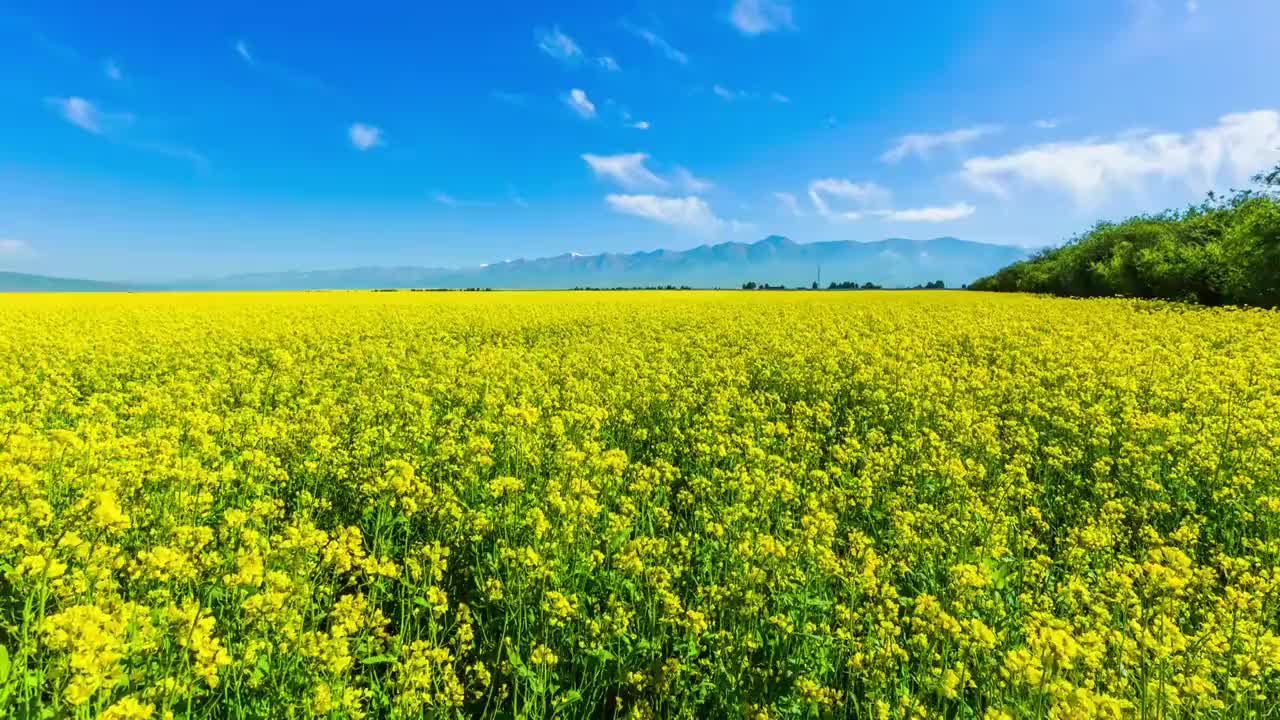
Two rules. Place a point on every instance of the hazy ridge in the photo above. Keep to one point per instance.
(775, 260)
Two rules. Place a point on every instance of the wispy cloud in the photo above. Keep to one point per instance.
(1046, 124)
(365, 137)
(558, 45)
(922, 144)
(946, 213)
(728, 94)
(111, 69)
(278, 72)
(88, 117)
(657, 42)
(10, 246)
(175, 152)
(578, 101)
(790, 203)
(692, 213)
(756, 17)
(79, 112)
(627, 170)
(685, 179)
(447, 199)
(631, 172)
(862, 195)
(117, 127)
(1092, 169)
(629, 121)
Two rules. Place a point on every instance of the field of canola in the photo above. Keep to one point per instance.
(669, 505)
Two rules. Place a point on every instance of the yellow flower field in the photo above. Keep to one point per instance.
(671, 505)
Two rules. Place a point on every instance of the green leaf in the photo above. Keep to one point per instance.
(4, 664)
(514, 657)
(376, 659)
(568, 698)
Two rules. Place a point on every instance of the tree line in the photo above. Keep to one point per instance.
(1223, 251)
(848, 285)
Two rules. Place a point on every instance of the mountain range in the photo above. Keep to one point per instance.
(22, 282)
(774, 260)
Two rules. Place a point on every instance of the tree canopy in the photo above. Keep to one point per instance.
(1223, 251)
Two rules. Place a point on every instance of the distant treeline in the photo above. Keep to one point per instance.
(935, 285)
(646, 287)
(1224, 251)
(433, 290)
(850, 285)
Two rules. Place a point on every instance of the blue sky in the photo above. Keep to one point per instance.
(158, 139)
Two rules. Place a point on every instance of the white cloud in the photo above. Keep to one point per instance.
(945, 213)
(790, 203)
(81, 113)
(608, 64)
(280, 73)
(112, 70)
(690, 182)
(445, 199)
(863, 195)
(731, 95)
(630, 122)
(754, 17)
(658, 43)
(365, 137)
(114, 126)
(1047, 124)
(1091, 169)
(9, 246)
(627, 170)
(578, 101)
(922, 143)
(86, 116)
(728, 94)
(688, 212)
(558, 45)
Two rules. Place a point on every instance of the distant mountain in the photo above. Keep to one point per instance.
(775, 260)
(21, 282)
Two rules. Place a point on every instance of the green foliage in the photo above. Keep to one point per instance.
(1224, 251)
